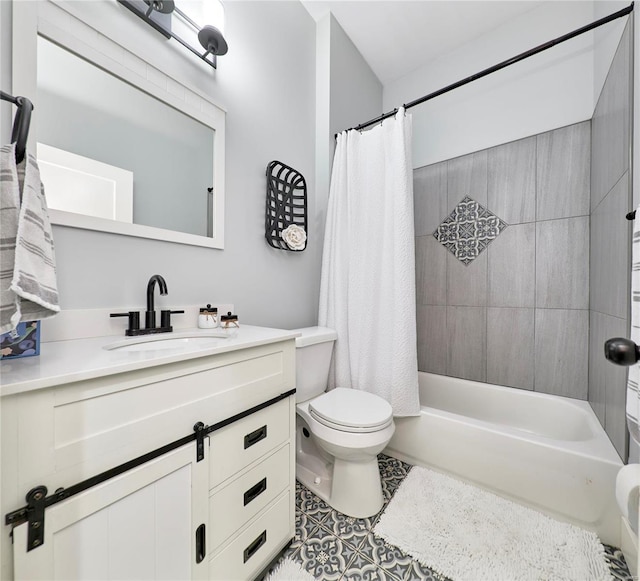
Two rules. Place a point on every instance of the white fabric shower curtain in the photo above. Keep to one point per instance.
(367, 288)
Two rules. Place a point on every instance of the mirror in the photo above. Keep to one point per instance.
(86, 115)
(59, 55)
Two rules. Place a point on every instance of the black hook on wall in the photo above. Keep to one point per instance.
(621, 351)
(20, 131)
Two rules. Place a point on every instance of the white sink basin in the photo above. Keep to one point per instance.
(164, 342)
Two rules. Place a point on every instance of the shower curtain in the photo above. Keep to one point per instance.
(367, 288)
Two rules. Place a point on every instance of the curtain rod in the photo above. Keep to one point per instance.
(499, 66)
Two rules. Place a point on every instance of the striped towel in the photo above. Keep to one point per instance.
(28, 288)
(633, 393)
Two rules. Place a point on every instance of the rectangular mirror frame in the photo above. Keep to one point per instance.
(57, 22)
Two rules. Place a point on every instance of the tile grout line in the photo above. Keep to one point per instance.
(487, 291)
(535, 276)
(446, 274)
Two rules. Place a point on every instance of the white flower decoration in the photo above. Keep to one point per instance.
(295, 237)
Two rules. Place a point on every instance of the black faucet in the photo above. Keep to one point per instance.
(150, 314)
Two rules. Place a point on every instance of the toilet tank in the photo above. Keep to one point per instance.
(313, 358)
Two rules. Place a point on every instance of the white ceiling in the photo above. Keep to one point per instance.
(396, 36)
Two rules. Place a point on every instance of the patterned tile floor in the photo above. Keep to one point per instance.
(332, 546)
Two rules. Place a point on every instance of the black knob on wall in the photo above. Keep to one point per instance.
(621, 351)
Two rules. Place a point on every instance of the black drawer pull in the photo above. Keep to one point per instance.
(201, 543)
(255, 491)
(255, 437)
(251, 550)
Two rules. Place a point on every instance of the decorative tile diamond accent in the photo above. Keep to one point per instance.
(468, 230)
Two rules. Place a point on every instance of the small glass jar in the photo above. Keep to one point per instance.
(208, 317)
(229, 323)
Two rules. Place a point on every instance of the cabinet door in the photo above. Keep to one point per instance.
(139, 525)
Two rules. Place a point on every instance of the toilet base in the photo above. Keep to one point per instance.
(352, 488)
(315, 473)
(319, 486)
(340, 467)
(356, 489)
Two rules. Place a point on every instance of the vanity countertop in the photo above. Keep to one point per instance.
(62, 362)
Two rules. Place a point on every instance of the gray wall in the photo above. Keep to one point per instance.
(6, 109)
(610, 242)
(356, 92)
(518, 314)
(348, 93)
(552, 90)
(267, 84)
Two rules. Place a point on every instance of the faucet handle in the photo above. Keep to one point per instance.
(165, 318)
(134, 320)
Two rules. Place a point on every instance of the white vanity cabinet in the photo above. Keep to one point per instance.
(224, 517)
(251, 504)
(139, 525)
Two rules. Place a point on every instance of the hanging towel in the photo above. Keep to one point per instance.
(633, 393)
(28, 288)
(367, 289)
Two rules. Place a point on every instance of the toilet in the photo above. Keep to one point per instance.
(339, 433)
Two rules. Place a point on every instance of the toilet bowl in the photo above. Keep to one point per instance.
(339, 433)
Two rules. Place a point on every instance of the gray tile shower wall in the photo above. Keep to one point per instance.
(533, 309)
(561, 180)
(610, 242)
(512, 181)
(517, 315)
(562, 263)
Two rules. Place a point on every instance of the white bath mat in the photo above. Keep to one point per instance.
(468, 534)
(289, 570)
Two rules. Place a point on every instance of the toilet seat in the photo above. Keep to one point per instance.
(351, 410)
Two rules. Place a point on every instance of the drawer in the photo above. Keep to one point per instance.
(244, 497)
(241, 443)
(254, 547)
(87, 427)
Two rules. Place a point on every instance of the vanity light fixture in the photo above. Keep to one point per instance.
(168, 19)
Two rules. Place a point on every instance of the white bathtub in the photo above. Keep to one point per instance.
(547, 452)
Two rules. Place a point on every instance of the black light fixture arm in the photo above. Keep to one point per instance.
(20, 131)
(501, 65)
(210, 38)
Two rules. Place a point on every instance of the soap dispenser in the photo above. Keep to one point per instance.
(208, 317)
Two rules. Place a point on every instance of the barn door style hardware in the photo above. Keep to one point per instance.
(37, 500)
(286, 211)
(201, 432)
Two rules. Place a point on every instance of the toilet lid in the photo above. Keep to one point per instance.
(351, 410)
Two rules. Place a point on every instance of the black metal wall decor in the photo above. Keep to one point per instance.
(286, 212)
